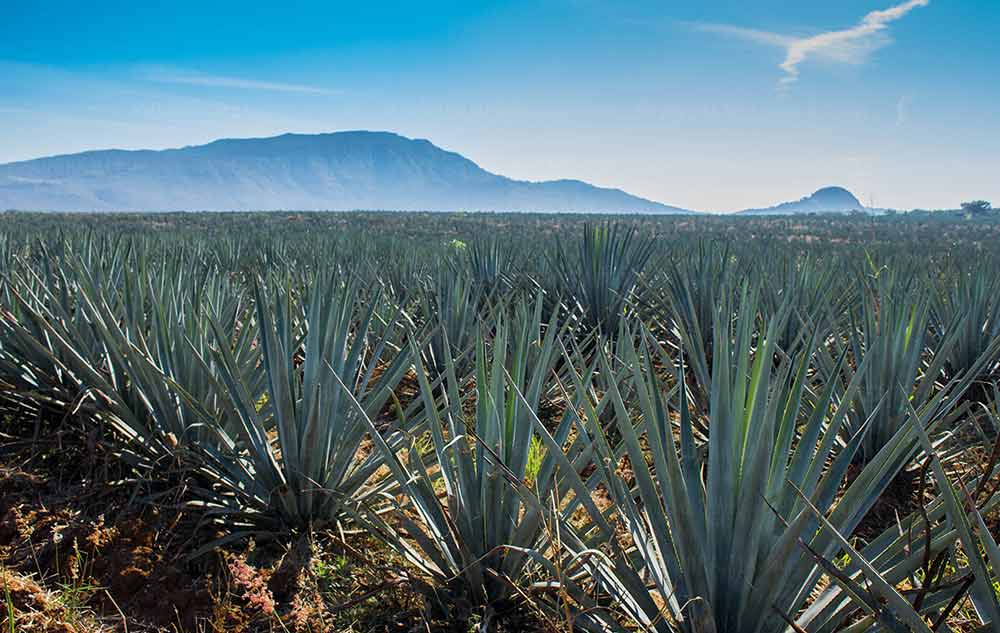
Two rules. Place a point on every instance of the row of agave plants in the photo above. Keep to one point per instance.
(675, 444)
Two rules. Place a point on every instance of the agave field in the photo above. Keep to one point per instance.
(377, 421)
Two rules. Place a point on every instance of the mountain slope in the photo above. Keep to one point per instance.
(338, 171)
(825, 200)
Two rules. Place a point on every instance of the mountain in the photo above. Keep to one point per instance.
(826, 200)
(338, 171)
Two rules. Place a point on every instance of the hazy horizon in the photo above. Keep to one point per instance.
(712, 107)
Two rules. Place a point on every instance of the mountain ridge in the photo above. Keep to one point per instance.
(830, 199)
(329, 171)
(352, 170)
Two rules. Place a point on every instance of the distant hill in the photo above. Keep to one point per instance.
(338, 171)
(826, 200)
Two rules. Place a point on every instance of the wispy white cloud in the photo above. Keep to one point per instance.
(902, 110)
(170, 75)
(849, 46)
(56, 111)
(753, 35)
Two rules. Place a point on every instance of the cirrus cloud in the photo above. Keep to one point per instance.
(180, 76)
(850, 46)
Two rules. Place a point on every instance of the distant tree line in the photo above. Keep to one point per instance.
(977, 207)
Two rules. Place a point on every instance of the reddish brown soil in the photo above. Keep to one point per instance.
(83, 549)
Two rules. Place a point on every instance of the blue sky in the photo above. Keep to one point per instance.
(714, 105)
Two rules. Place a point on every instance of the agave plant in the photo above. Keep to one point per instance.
(966, 313)
(813, 291)
(112, 349)
(399, 276)
(694, 290)
(290, 456)
(451, 305)
(491, 265)
(890, 334)
(599, 279)
(486, 506)
(726, 532)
